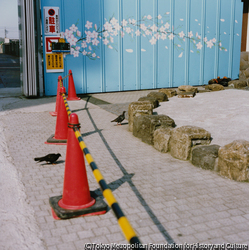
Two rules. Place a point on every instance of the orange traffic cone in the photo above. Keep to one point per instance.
(60, 136)
(76, 200)
(71, 88)
(54, 113)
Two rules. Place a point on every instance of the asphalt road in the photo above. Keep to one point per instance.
(9, 71)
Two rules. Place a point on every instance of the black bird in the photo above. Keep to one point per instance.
(119, 119)
(50, 158)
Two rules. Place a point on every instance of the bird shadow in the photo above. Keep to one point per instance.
(123, 123)
(55, 163)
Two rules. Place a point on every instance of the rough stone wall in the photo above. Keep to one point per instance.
(244, 67)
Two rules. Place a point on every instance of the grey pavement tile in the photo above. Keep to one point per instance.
(236, 212)
(187, 230)
(59, 231)
(85, 234)
(170, 217)
(202, 236)
(229, 229)
(244, 235)
(186, 222)
(52, 248)
(208, 210)
(184, 214)
(80, 244)
(157, 238)
(200, 227)
(145, 239)
(172, 225)
(244, 209)
(99, 240)
(190, 239)
(213, 224)
(239, 219)
(246, 215)
(100, 231)
(41, 219)
(242, 227)
(53, 241)
(66, 246)
(226, 221)
(199, 219)
(215, 232)
(217, 215)
(71, 237)
(74, 228)
(115, 237)
(217, 240)
(233, 238)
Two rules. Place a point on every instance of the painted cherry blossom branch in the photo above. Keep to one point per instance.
(154, 29)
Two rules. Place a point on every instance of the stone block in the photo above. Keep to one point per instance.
(246, 72)
(188, 88)
(151, 99)
(205, 156)
(233, 160)
(214, 87)
(243, 64)
(168, 92)
(242, 75)
(238, 84)
(184, 94)
(144, 126)
(244, 55)
(160, 96)
(161, 139)
(138, 108)
(184, 138)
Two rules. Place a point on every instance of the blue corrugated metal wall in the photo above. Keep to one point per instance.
(119, 45)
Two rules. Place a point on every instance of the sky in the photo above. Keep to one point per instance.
(9, 18)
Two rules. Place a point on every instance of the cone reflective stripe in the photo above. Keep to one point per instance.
(54, 113)
(76, 192)
(77, 199)
(71, 88)
(62, 118)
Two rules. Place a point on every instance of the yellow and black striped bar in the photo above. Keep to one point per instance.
(66, 104)
(66, 76)
(61, 84)
(123, 222)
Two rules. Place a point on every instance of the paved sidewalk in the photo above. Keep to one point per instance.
(166, 200)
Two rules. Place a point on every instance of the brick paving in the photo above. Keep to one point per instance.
(165, 199)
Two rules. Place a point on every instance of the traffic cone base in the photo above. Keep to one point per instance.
(99, 207)
(53, 113)
(61, 204)
(52, 140)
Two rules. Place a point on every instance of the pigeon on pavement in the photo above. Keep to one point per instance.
(50, 158)
(119, 119)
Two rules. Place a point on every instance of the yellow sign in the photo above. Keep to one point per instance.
(54, 62)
